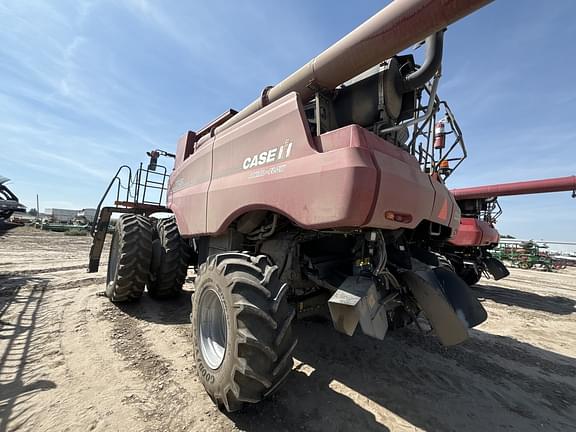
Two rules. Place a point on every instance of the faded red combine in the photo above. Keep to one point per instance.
(325, 194)
(469, 249)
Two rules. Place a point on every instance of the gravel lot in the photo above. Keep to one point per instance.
(70, 360)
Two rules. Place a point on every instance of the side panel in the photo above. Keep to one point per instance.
(474, 232)
(403, 187)
(347, 178)
(269, 162)
(491, 235)
(188, 191)
(445, 211)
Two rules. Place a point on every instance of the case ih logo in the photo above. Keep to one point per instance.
(269, 156)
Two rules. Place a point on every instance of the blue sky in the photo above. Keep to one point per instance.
(86, 85)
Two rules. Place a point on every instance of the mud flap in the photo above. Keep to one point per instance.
(447, 302)
(358, 300)
(496, 268)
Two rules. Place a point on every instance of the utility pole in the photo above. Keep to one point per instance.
(37, 207)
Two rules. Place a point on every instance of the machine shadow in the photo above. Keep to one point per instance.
(358, 383)
(17, 335)
(167, 312)
(527, 300)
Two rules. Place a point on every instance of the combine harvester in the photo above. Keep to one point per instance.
(326, 192)
(469, 249)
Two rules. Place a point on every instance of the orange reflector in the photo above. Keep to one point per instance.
(398, 217)
(444, 164)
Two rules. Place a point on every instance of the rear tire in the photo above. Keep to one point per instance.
(129, 260)
(242, 329)
(173, 257)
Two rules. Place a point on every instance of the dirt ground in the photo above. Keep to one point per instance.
(72, 361)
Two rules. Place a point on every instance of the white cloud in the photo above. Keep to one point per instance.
(78, 165)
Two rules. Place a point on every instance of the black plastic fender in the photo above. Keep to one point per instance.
(496, 268)
(447, 301)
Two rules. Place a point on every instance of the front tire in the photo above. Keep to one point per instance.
(129, 259)
(242, 328)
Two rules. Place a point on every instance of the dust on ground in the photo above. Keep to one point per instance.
(70, 360)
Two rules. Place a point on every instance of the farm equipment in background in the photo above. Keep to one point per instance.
(469, 250)
(9, 205)
(140, 194)
(529, 255)
(325, 194)
(523, 255)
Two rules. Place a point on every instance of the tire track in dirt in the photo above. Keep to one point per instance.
(92, 366)
(68, 383)
(542, 387)
(92, 383)
(175, 400)
(69, 354)
(53, 284)
(44, 270)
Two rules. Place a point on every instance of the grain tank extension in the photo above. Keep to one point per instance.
(323, 196)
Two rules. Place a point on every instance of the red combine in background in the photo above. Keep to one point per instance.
(469, 249)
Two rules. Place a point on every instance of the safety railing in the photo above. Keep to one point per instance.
(437, 141)
(147, 187)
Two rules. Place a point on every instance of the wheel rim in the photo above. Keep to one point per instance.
(213, 330)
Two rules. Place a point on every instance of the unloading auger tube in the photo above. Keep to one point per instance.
(396, 27)
(558, 184)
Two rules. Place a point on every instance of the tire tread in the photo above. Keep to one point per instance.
(175, 256)
(264, 340)
(135, 254)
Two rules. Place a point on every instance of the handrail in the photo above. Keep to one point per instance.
(143, 183)
(116, 177)
(424, 127)
(137, 184)
(458, 141)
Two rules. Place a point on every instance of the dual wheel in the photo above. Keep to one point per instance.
(241, 320)
(144, 254)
